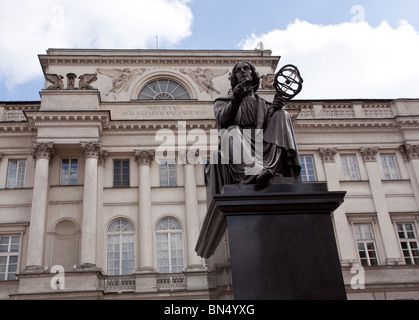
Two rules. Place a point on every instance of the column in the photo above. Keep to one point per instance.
(92, 152)
(344, 237)
(144, 160)
(192, 216)
(42, 152)
(390, 241)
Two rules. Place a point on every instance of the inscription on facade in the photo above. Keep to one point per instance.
(162, 112)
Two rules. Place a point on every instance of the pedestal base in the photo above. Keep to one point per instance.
(273, 243)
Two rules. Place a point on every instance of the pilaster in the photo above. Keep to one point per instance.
(347, 251)
(410, 155)
(390, 241)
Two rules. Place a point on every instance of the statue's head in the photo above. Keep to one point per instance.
(255, 75)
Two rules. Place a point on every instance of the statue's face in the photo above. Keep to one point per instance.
(243, 73)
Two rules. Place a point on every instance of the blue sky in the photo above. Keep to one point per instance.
(370, 53)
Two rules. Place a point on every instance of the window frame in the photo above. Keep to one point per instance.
(413, 260)
(161, 93)
(170, 164)
(365, 242)
(120, 183)
(69, 172)
(5, 276)
(348, 173)
(304, 169)
(15, 178)
(170, 242)
(384, 164)
(120, 236)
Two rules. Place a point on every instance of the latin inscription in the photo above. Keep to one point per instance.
(162, 112)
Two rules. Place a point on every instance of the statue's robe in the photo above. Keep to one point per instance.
(254, 116)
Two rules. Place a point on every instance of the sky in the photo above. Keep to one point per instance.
(346, 49)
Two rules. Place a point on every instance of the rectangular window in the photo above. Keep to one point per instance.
(69, 171)
(307, 168)
(408, 242)
(366, 244)
(121, 173)
(16, 174)
(168, 173)
(350, 167)
(390, 167)
(9, 256)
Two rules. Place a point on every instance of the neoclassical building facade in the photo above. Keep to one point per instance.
(102, 191)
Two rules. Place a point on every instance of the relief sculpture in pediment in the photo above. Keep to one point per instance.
(121, 78)
(203, 78)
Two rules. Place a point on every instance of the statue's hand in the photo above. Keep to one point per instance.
(239, 92)
(277, 104)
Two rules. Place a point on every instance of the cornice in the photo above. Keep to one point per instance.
(16, 129)
(156, 60)
(346, 125)
(152, 127)
(68, 118)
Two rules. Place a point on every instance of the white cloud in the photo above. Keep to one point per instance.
(349, 60)
(28, 28)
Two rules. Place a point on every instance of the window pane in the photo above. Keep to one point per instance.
(366, 249)
(350, 168)
(163, 90)
(16, 174)
(307, 168)
(121, 173)
(120, 247)
(169, 246)
(389, 167)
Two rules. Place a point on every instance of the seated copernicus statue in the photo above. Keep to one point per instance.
(257, 141)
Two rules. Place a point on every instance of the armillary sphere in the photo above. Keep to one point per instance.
(288, 82)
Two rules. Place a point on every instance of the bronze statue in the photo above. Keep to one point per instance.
(257, 142)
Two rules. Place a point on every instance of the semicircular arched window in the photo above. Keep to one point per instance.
(163, 89)
(169, 246)
(120, 248)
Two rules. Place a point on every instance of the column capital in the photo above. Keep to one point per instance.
(328, 154)
(92, 149)
(369, 154)
(144, 157)
(42, 150)
(409, 151)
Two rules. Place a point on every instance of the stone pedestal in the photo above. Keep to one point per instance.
(275, 242)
